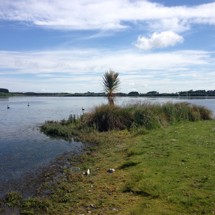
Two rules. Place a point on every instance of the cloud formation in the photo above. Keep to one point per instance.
(158, 40)
(78, 62)
(74, 71)
(106, 14)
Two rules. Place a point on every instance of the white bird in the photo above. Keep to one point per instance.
(86, 172)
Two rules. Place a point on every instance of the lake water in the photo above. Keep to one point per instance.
(24, 148)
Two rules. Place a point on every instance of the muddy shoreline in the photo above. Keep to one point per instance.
(31, 183)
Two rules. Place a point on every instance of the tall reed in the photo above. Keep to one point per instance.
(149, 116)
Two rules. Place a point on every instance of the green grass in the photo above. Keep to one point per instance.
(164, 158)
(149, 116)
(167, 171)
(175, 167)
(131, 117)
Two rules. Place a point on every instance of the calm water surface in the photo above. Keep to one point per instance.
(24, 148)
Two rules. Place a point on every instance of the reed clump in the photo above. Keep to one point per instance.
(149, 116)
(137, 117)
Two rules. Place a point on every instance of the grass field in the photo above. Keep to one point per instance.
(168, 170)
(173, 170)
(161, 171)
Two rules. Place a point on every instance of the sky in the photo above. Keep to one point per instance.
(68, 45)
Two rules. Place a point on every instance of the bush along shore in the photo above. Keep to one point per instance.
(141, 159)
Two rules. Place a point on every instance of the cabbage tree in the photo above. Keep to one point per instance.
(111, 84)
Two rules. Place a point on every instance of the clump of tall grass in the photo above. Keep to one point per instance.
(108, 117)
(149, 116)
(56, 129)
(137, 117)
(64, 128)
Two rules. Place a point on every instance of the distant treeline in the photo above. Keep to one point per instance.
(3, 90)
(190, 93)
(197, 93)
(182, 93)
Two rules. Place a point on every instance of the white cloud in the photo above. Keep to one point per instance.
(159, 40)
(106, 14)
(78, 62)
(175, 24)
(74, 70)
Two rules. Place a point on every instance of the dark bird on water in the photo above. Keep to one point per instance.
(28, 105)
(8, 107)
(82, 109)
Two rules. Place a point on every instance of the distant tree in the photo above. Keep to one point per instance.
(3, 90)
(133, 93)
(152, 93)
(111, 84)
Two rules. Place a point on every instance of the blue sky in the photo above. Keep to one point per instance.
(66, 46)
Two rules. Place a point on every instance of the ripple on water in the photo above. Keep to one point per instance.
(25, 150)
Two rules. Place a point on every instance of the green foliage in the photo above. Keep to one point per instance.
(146, 116)
(137, 118)
(63, 129)
(36, 206)
(55, 129)
(184, 111)
(108, 117)
(13, 199)
(111, 84)
(149, 116)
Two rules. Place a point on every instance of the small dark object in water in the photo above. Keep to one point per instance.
(8, 107)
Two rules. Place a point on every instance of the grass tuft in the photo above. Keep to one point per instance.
(138, 117)
(149, 116)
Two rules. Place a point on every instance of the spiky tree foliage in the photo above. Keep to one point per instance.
(111, 84)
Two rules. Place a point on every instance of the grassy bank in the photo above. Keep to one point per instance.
(165, 170)
(131, 117)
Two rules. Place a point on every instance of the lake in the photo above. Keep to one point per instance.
(24, 148)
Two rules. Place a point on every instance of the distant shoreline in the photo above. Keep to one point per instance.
(162, 95)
